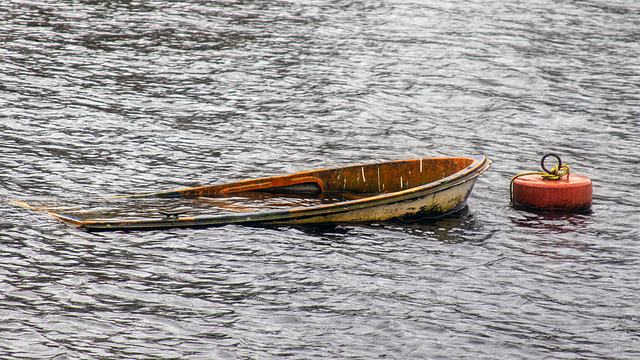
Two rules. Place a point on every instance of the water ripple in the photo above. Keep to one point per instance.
(106, 98)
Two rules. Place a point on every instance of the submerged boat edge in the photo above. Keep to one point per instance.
(435, 199)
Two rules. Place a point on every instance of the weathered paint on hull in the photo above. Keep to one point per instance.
(441, 190)
(424, 206)
(428, 205)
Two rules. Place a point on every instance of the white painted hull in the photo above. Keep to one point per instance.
(395, 190)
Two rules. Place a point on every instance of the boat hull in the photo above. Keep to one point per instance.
(426, 205)
(445, 188)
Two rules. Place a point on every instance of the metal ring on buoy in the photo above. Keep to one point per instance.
(556, 168)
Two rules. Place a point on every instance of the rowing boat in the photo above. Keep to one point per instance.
(387, 191)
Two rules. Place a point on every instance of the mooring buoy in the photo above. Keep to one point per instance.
(554, 189)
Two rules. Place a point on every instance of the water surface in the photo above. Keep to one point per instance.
(111, 98)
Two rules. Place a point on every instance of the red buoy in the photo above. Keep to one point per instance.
(552, 191)
(571, 193)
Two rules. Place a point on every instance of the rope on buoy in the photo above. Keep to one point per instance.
(554, 174)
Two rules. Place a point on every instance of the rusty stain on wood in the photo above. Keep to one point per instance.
(381, 191)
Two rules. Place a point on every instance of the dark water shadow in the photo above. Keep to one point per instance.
(457, 227)
(556, 221)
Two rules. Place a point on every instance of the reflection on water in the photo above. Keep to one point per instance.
(454, 228)
(554, 221)
(459, 227)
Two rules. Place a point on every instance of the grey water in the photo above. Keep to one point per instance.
(104, 98)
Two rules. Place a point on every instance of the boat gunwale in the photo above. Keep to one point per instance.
(470, 172)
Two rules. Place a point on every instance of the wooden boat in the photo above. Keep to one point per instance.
(395, 190)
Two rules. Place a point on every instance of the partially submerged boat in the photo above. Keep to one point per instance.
(396, 190)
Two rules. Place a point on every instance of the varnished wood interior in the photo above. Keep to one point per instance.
(358, 179)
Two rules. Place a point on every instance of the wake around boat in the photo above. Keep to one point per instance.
(396, 190)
